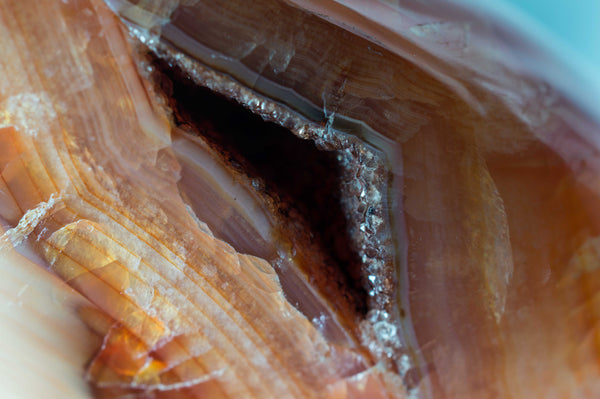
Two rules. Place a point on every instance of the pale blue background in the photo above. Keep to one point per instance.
(575, 22)
(568, 30)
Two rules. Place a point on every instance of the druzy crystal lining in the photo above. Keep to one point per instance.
(367, 183)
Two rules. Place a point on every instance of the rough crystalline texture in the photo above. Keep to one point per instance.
(489, 198)
(89, 191)
(494, 174)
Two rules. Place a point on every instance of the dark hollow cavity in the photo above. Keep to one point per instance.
(304, 179)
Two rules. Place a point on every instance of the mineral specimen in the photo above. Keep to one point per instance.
(290, 200)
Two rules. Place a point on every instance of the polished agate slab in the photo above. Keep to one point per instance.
(462, 261)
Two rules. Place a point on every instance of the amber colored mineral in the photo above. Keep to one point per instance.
(144, 255)
(89, 185)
